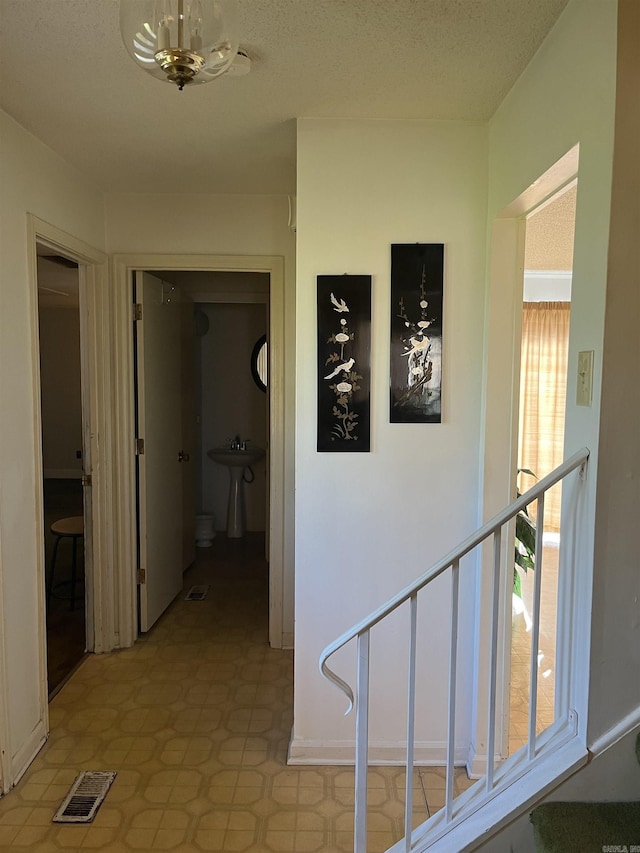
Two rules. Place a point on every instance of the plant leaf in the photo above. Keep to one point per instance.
(527, 471)
(517, 583)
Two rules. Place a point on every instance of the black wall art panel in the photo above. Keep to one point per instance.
(417, 275)
(344, 362)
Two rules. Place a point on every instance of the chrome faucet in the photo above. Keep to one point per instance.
(238, 443)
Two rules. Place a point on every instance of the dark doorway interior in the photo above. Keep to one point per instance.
(66, 631)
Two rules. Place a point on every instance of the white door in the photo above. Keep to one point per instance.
(158, 350)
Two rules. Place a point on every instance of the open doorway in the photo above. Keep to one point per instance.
(198, 407)
(63, 453)
(543, 380)
(280, 444)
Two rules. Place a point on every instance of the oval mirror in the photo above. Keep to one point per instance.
(259, 362)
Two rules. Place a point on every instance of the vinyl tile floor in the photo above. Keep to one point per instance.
(196, 720)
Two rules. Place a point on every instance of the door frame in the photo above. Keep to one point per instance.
(124, 423)
(95, 370)
(500, 436)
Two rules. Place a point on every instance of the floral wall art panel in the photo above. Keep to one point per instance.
(344, 362)
(417, 276)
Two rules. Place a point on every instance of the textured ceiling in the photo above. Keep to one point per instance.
(549, 243)
(65, 76)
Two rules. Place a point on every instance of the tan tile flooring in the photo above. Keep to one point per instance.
(521, 651)
(196, 719)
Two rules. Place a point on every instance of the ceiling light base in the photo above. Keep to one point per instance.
(180, 66)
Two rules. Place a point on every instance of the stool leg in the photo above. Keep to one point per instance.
(52, 569)
(72, 602)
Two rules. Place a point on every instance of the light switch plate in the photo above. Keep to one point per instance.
(585, 378)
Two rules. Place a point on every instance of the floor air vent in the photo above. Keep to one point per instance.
(197, 593)
(85, 797)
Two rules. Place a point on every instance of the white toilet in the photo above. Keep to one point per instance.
(205, 533)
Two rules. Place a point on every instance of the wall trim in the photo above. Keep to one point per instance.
(280, 503)
(476, 763)
(342, 752)
(91, 263)
(287, 639)
(610, 738)
(506, 252)
(5, 736)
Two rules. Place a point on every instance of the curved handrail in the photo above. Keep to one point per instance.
(578, 459)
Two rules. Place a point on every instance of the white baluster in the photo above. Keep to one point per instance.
(453, 662)
(411, 712)
(535, 637)
(362, 743)
(493, 662)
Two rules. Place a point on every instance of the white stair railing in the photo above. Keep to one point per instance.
(497, 778)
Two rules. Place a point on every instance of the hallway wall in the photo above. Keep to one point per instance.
(369, 523)
(34, 180)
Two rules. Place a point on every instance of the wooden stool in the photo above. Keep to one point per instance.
(72, 528)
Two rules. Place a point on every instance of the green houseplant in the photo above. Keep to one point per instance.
(525, 545)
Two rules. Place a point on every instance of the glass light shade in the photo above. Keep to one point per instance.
(180, 41)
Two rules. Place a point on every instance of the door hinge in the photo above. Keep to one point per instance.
(141, 576)
(139, 446)
(137, 311)
(86, 480)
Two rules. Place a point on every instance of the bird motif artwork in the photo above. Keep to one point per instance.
(416, 329)
(417, 345)
(340, 306)
(345, 366)
(344, 330)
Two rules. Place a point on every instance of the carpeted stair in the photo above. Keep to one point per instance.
(588, 827)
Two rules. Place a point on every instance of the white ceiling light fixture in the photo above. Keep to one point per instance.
(180, 41)
(240, 66)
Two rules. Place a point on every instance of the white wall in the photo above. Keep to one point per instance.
(615, 648)
(61, 391)
(231, 404)
(368, 523)
(223, 225)
(34, 180)
(565, 96)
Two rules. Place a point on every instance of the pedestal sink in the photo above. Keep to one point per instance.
(236, 461)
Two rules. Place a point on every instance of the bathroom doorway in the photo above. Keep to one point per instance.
(231, 407)
(191, 278)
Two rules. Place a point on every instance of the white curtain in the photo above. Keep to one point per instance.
(543, 386)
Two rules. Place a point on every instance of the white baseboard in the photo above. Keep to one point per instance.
(63, 473)
(426, 753)
(476, 763)
(287, 639)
